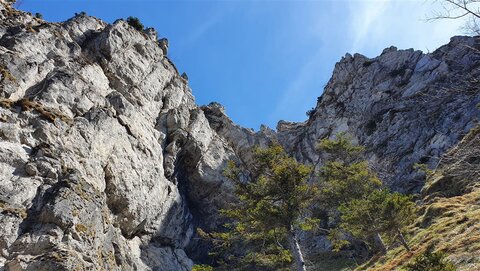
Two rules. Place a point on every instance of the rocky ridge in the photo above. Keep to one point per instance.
(406, 107)
(107, 163)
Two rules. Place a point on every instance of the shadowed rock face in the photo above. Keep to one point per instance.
(106, 162)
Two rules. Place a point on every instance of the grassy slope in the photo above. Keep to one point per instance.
(449, 216)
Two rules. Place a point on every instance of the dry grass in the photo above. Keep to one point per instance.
(450, 215)
(6, 75)
(50, 114)
(9, 210)
(6, 103)
(81, 228)
(29, 28)
(10, 10)
(451, 224)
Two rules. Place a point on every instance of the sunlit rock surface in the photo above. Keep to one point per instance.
(107, 163)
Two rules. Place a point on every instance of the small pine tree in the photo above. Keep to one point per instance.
(398, 211)
(269, 212)
(379, 213)
(431, 261)
(38, 15)
(135, 23)
(348, 185)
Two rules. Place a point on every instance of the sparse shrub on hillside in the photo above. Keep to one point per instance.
(423, 168)
(310, 112)
(379, 213)
(367, 63)
(38, 15)
(398, 72)
(202, 267)
(135, 23)
(431, 261)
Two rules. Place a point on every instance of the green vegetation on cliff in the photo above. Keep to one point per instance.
(448, 215)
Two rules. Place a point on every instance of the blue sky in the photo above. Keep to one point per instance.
(267, 61)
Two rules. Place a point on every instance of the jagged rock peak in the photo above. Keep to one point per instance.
(404, 105)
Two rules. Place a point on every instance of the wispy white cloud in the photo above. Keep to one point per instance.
(374, 25)
(363, 26)
(365, 16)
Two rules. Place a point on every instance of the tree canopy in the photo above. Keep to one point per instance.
(378, 213)
(275, 201)
(271, 207)
(344, 175)
(366, 209)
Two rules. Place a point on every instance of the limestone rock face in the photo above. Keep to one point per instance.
(94, 118)
(406, 107)
(107, 163)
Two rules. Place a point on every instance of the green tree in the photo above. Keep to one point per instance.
(379, 213)
(364, 209)
(271, 208)
(135, 23)
(344, 175)
(431, 261)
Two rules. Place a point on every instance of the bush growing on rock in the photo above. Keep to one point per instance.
(379, 213)
(135, 23)
(202, 267)
(310, 112)
(431, 261)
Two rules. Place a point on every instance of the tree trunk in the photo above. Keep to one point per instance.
(299, 263)
(402, 240)
(380, 243)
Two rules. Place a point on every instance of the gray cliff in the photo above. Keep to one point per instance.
(107, 163)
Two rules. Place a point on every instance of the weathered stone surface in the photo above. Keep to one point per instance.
(404, 106)
(106, 162)
(89, 189)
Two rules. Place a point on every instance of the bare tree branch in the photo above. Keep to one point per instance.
(460, 9)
